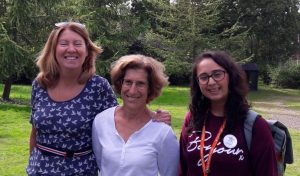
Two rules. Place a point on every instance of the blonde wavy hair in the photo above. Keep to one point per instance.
(48, 67)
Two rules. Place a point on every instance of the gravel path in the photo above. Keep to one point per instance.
(277, 110)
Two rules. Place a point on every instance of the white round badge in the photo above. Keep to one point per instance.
(230, 141)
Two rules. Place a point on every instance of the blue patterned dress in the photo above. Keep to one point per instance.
(65, 126)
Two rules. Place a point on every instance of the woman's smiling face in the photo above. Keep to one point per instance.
(215, 90)
(71, 50)
(135, 88)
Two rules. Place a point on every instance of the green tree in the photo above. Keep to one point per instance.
(272, 28)
(172, 31)
(25, 26)
(272, 31)
(182, 29)
(112, 25)
(12, 57)
(231, 34)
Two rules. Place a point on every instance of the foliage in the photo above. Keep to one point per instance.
(103, 68)
(179, 71)
(286, 75)
(111, 25)
(12, 56)
(267, 22)
(180, 30)
(265, 32)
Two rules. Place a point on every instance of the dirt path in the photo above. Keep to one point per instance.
(277, 110)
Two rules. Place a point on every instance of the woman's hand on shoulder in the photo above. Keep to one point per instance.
(162, 116)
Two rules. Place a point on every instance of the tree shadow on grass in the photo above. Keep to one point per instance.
(14, 107)
(4, 137)
(16, 101)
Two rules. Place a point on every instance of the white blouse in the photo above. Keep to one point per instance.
(151, 150)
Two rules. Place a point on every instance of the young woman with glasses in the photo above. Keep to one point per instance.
(212, 141)
(66, 96)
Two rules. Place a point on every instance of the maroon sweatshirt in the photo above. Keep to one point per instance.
(231, 156)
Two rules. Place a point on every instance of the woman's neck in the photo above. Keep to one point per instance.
(139, 114)
(129, 121)
(69, 76)
(218, 109)
(68, 80)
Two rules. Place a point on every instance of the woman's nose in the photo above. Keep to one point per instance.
(211, 82)
(133, 87)
(71, 48)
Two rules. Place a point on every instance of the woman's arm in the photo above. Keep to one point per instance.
(168, 156)
(32, 140)
(97, 148)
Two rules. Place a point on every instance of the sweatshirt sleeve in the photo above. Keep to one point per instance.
(263, 157)
(182, 143)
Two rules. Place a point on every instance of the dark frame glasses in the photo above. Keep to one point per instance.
(216, 75)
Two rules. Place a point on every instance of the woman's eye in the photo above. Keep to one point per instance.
(140, 84)
(203, 77)
(217, 74)
(127, 83)
(78, 44)
(63, 44)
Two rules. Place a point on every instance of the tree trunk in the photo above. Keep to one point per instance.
(7, 88)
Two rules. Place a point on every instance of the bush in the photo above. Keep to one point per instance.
(179, 72)
(265, 72)
(286, 76)
(103, 68)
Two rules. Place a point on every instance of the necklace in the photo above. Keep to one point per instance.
(206, 167)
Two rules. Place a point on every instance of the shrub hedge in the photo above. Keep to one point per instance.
(286, 75)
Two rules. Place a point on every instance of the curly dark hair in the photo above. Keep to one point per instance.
(236, 106)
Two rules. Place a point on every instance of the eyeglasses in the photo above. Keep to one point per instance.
(138, 84)
(217, 75)
(65, 23)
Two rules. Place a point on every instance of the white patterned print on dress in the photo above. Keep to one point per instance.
(67, 125)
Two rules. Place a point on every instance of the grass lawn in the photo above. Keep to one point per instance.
(15, 128)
